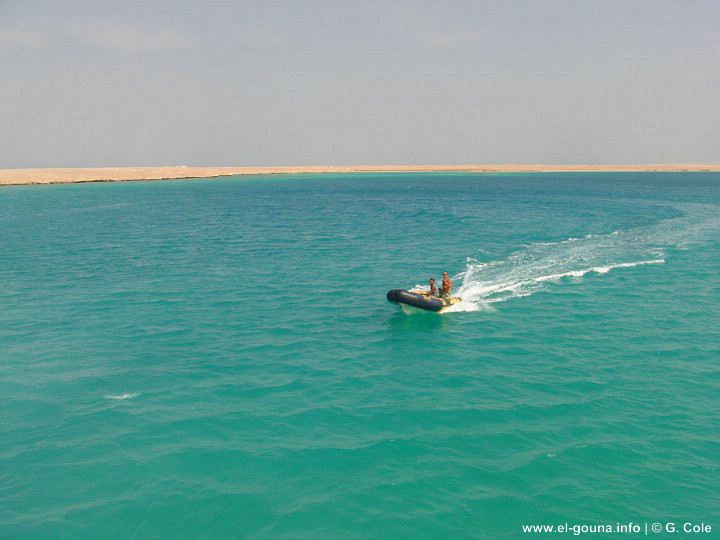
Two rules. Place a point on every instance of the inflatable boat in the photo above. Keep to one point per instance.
(413, 300)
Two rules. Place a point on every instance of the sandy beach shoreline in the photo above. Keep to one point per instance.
(10, 177)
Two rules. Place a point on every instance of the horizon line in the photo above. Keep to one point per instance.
(64, 175)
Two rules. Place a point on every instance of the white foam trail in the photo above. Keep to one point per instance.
(129, 395)
(596, 269)
(538, 265)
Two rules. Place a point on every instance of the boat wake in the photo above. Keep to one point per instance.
(536, 266)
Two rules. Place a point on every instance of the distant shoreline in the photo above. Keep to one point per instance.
(9, 177)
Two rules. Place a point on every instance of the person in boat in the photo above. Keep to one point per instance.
(433, 289)
(446, 286)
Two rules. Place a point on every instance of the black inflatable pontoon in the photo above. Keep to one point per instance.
(419, 300)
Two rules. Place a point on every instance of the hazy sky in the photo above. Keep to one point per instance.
(92, 83)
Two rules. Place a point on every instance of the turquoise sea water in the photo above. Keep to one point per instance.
(216, 358)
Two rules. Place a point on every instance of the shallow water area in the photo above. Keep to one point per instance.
(216, 358)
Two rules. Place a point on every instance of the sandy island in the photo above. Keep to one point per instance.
(116, 174)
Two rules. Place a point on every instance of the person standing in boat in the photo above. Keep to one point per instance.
(446, 286)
